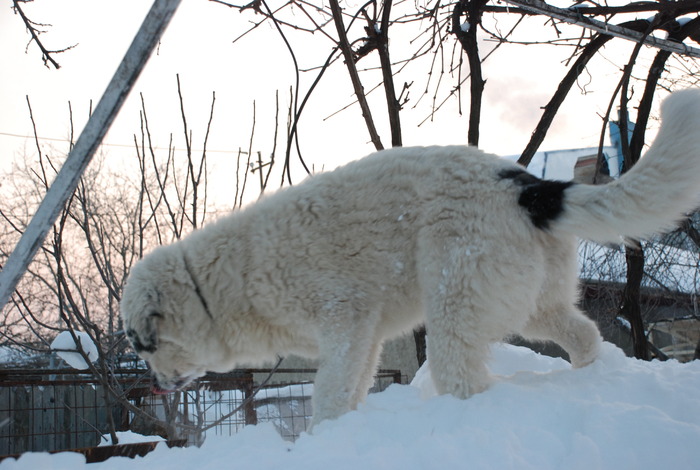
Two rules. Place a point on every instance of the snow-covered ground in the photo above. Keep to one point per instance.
(618, 413)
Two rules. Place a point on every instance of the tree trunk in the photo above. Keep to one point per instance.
(631, 299)
(419, 335)
(467, 35)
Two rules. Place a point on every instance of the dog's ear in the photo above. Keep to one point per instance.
(147, 338)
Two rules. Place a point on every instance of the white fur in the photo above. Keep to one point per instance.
(656, 192)
(336, 265)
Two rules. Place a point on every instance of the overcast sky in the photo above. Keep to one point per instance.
(199, 46)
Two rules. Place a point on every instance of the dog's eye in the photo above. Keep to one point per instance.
(140, 346)
(145, 338)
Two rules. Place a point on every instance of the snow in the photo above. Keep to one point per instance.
(538, 414)
(64, 344)
(128, 437)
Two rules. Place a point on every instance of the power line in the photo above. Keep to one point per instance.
(106, 144)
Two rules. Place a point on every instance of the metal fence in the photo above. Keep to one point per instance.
(49, 410)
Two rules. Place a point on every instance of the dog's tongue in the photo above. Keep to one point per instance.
(157, 390)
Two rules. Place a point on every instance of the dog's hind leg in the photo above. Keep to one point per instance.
(475, 292)
(457, 319)
(556, 318)
(457, 364)
(569, 328)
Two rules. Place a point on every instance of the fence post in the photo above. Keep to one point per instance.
(251, 416)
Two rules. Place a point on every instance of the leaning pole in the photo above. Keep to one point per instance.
(90, 138)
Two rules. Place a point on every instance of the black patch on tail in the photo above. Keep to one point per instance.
(542, 199)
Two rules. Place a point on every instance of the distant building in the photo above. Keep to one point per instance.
(580, 164)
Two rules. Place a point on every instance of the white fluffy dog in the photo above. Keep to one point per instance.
(464, 241)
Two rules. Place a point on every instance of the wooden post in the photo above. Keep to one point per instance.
(251, 415)
(575, 17)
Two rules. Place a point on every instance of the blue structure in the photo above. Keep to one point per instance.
(616, 140)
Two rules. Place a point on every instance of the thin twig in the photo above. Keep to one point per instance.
(34, 32)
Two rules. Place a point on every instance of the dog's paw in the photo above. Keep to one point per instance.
(464, 389)
(586, 356)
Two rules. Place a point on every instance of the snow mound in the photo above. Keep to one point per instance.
(538, 414)
(507, 360)
(64, 345)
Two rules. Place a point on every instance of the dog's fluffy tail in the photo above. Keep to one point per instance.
(655, 194)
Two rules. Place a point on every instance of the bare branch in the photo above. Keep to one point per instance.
(467, 35)
(33, 30)
(381, 36)
(345, 48)
(551, 109)
(572, 16)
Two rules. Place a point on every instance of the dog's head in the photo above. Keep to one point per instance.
(166, 321)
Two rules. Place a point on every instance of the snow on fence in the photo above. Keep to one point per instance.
(49, 410)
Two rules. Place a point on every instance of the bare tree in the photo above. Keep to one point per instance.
(113, 217)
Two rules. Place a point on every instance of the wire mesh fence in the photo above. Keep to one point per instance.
(49, 410)
(668, 297)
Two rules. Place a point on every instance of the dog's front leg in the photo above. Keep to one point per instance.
(349, 354)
